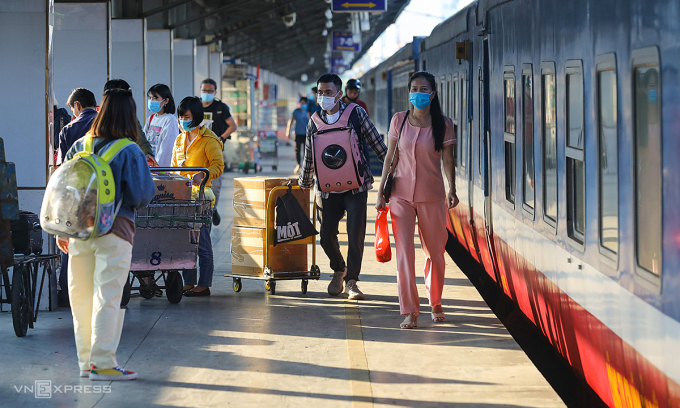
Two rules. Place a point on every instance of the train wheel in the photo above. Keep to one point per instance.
(173, 287)
(20, 312)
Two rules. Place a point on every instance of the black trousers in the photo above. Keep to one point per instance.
(300, 148)
(331, 211)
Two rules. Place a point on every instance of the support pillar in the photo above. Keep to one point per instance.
(216, 71)
(128, 58)
(184, 60)
(202, 66)
(159, 64)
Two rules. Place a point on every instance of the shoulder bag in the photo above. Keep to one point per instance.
(389, 179)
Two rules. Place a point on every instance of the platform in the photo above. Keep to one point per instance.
(250, 349)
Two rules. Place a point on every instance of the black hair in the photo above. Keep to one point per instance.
(117, 84)
(209, 81)
(315, 89)
(164, 92)
(117, 117)
(303, 98)
(328, 78)
(438, 122)
(192, 104)
(83, 96)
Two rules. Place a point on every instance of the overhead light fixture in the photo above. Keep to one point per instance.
(329, 23)
(324, 32)
(304, 77)
(289, 19)
(329, 14)
(311, 60)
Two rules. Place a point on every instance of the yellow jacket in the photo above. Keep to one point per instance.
(204, 151)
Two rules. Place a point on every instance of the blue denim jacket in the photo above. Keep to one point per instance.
(134, 184)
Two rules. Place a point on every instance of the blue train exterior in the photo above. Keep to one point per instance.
(567, 116)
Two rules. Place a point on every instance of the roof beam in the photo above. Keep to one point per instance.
(164, 8)
(208, 14)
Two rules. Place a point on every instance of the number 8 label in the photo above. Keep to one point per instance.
(155, 258)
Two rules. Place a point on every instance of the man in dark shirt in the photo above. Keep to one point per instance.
(84, 107)
(216, 117)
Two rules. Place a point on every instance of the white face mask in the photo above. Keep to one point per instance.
(327, 103)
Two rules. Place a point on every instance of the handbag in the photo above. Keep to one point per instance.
(389, 179)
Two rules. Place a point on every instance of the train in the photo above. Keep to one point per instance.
(567, 172)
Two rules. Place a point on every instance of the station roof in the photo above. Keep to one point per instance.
(254, 30)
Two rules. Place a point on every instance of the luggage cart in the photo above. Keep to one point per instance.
(24, 293)
(269, 275)
(269, 148)
(166, 242)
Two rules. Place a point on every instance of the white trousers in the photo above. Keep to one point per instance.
(98, 269)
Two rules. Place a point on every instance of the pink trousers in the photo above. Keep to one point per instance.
(432, 231)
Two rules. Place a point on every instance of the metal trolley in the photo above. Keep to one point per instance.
(166, 242)
(24, 295)
(269, 275)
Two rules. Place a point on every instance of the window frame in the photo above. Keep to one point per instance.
(549, 68)
(576, 239)
(509, 73)
(455, 116)
(527, 70)
(604, 63)
(646, 57)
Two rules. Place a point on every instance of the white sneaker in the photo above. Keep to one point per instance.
(352, 291)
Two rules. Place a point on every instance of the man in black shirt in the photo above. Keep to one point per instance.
(216, 117)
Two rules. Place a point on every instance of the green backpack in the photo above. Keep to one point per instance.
(80, 197)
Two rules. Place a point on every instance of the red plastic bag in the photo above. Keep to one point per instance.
(383, 251)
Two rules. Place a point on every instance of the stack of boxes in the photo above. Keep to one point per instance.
(250, 229)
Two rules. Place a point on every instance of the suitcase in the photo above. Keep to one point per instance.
(27, 235)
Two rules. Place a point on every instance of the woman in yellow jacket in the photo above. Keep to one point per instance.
(198, 146)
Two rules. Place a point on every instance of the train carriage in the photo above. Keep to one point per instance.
(567, 173)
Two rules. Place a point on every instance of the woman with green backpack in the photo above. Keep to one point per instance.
(99, 264)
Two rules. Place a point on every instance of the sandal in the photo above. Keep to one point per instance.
(437, 317)
(410, 321)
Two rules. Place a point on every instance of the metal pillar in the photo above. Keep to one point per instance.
(184, 60)
(128, 58)
(216, 71)
(202, 67)
(159, 58)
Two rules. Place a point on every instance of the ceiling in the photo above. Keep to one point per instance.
(254, 31)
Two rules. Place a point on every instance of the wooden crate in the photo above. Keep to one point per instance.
(250, 199)
(248, 255)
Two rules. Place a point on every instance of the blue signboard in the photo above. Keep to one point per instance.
(359, 5)
(344, 41)
(338, 65)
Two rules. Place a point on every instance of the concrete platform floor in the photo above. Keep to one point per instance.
(251, 349)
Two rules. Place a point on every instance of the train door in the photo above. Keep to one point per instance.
(485, 154)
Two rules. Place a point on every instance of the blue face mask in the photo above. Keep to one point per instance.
(186, 125)
(207, 97)
(154, 106)
(303, 107)
(419, 99)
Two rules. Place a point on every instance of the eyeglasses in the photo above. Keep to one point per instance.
(327, 93)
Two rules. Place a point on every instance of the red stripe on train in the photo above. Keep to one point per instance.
(620, 375)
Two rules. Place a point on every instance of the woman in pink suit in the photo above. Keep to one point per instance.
(424, 137)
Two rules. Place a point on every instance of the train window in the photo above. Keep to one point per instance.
(528, 142)
(608, 164)
(648, 160)
(455, 99)
(424, 65)
(549, 143)
(464, 149)
(509, 134)
(442, 99)
(480, 121)
(576, 176)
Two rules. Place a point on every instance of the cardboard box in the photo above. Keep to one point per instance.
(250, 200)
(248, 255)
(171, 187)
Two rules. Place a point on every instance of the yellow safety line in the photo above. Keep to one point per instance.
(359, 379)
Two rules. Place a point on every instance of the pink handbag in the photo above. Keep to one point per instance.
(337, 159)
